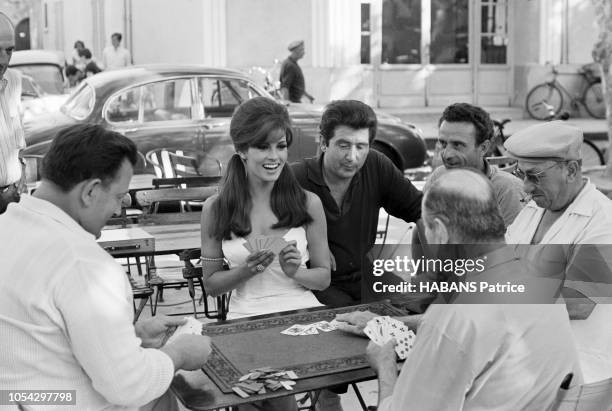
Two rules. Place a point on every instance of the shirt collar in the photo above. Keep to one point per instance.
(580, 205)
(315, 172)
(43, 207)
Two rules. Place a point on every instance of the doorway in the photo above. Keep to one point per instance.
(22, 35)
(436, 52)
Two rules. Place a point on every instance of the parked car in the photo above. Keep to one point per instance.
(189, 108)
(44, 66)
(35, 101)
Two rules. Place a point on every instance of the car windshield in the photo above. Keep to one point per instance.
(47, 76)
(29, 88)
(81, 103)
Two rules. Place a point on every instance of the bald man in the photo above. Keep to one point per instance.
(471, 356)
(12, 139)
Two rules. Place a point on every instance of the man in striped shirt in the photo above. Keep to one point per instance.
(12, 139)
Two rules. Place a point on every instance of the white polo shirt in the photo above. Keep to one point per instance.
(66, 315)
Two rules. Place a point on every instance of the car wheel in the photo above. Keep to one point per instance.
(390, 154)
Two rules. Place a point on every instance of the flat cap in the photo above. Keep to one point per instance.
(551, 140)
(295, 44)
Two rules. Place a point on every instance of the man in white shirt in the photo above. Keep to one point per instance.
(115, 56)
(65, 304)
(566, 208)
(472, 356)
(12, 139)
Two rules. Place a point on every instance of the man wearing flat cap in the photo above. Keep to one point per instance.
(12, 139)
(293, 86)
(566, 208)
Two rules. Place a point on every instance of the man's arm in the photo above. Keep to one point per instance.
(435, 376)
(94, 302)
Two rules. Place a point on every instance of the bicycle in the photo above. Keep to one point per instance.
(591, 154)
(545, 100)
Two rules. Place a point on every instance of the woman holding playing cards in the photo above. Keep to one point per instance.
(262, 222)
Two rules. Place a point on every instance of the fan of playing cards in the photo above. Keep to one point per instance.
(382, 329)
(192, 326)
(262, 242)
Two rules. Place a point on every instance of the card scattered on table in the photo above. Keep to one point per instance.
(262, 242)
(257, 380)
(382, 329)
(310, 329)
(192, 326)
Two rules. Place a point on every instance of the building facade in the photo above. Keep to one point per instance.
(388, 53)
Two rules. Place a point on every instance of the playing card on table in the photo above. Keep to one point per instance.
(325, 326)
(295, 329)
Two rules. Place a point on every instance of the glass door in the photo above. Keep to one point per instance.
(435, 52)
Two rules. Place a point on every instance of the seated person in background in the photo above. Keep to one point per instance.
(74, 76)
(65, 304)
(464, 137)
(353, 183)
(91, 67)
(566, 208)
(474, 356)
(260, 197)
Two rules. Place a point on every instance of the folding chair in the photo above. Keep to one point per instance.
(171, 276)
(160, 160)
(595, 396)
(193, 273)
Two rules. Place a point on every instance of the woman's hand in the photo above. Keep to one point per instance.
(258, 261)
(290, 259)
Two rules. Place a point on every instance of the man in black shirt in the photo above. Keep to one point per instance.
(292, 83)
(353, 182)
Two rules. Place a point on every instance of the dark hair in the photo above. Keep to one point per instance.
(79, 43)
(472, 218)
(251, 125)
(118, 35)
(468, 113)
(85, 151)
(85, 53)
(351, 113)
(71, 70)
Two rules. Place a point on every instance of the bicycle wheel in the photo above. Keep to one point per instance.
(544, 101)
(591, 155)
(594, 102)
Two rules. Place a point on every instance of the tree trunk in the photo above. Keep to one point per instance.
(602, 53)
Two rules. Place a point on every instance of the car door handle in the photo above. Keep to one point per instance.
(129, 130)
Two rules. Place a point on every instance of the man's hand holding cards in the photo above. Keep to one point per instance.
(382, 329)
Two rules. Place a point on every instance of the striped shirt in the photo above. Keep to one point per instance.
(12, 138)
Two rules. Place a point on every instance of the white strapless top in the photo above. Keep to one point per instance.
(270, 291)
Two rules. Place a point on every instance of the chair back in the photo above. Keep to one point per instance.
(595, 396)
(150, 199)
(159, 158)
(194, 164)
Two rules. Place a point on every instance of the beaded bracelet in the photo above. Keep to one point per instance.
(211, 260)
